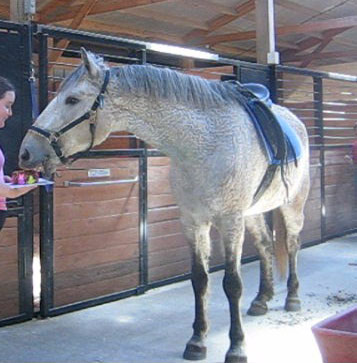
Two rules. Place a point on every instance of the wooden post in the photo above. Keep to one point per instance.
(22, 11)
(264, 14)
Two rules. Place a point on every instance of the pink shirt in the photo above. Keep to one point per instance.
(2, 162)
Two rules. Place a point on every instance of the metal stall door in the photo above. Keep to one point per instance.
(16, 237)
(95, 255)
(92, 234)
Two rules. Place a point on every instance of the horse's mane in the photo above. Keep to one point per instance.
(177, 87)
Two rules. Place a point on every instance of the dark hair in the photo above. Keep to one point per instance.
(5, 86)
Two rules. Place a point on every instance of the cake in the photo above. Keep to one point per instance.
(24, 177)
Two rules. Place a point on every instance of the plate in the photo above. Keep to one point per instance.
(41, 181)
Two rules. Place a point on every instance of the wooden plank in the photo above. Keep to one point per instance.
(89, 291)
(87, 194)
(96, 273)
(168, 257)
(83, 227)
(165, 213)
(172, 241)
(166, 271)
(65, 246)
(164, 228)
(110, 255)
(92, 209)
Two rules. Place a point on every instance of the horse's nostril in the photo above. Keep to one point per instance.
(25, 156)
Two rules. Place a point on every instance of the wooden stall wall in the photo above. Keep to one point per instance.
(297, 93)
(9, 279)
(96, 235)
(340, 116)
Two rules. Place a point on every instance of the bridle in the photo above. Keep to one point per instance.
(54, 136)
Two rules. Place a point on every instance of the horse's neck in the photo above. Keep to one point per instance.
(175, 130)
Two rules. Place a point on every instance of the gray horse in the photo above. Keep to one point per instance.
(217, 166)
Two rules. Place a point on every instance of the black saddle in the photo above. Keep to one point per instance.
(276, 135)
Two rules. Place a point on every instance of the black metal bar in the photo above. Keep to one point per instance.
(317, 74)
(8, 25)
(46, 249)
(273, 83)
(43, 71)
(143, 214)
(318, 102)
(25, 251)
(82, 36)
(92, 302)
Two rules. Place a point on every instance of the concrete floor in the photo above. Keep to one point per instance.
(155, 327)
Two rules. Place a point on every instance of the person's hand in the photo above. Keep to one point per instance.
(7, 179)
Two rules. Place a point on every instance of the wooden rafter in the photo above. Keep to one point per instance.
(51, 7)
(319, 26)
(83, 12)
(198, 35)
(325, 55)
(327, 37)
(100, 8)
(127, 31)
(309, 58)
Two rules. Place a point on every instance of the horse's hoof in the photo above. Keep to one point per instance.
(195, 352)
(292, 304)
(236, 356)
(257, 308)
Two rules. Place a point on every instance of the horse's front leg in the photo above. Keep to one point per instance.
(199, 239)
(232, 232)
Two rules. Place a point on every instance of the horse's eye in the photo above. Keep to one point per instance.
(71, 100)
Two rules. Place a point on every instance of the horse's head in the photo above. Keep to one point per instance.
(68, 125)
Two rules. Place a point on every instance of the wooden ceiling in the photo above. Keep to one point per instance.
(309, 33)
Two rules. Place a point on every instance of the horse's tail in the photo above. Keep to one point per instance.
(280, 248)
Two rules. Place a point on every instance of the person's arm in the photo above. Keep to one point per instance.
(7, 192)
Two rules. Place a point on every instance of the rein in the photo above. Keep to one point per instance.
(54, 136)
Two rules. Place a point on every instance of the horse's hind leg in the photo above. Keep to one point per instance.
(263, 241)
(231, 229)
(199, 240)
(293, 218)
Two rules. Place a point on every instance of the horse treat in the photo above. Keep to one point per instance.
(22, 177)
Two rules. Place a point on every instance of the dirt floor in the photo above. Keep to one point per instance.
(154, 327)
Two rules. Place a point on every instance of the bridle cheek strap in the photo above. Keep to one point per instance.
(53, 136)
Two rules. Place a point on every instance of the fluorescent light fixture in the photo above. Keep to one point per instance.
(185, 52)
(343, 77)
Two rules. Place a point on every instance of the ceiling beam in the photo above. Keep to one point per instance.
(327, 35)
(51, 6)
(296, 8)
(339, 54)
(318, 26)
(127, 31)
(309, 58)
(76, 22)
(99, 8)
(196, 36)
(147, 13)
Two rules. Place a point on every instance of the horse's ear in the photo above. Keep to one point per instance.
(89, 62)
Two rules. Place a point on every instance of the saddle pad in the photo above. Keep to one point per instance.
(265, 115)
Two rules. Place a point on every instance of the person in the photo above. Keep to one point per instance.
(352, 158)
(7, 99)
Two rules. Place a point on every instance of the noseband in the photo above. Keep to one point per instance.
(53, 136)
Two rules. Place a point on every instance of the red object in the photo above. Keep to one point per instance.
(337, 337)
